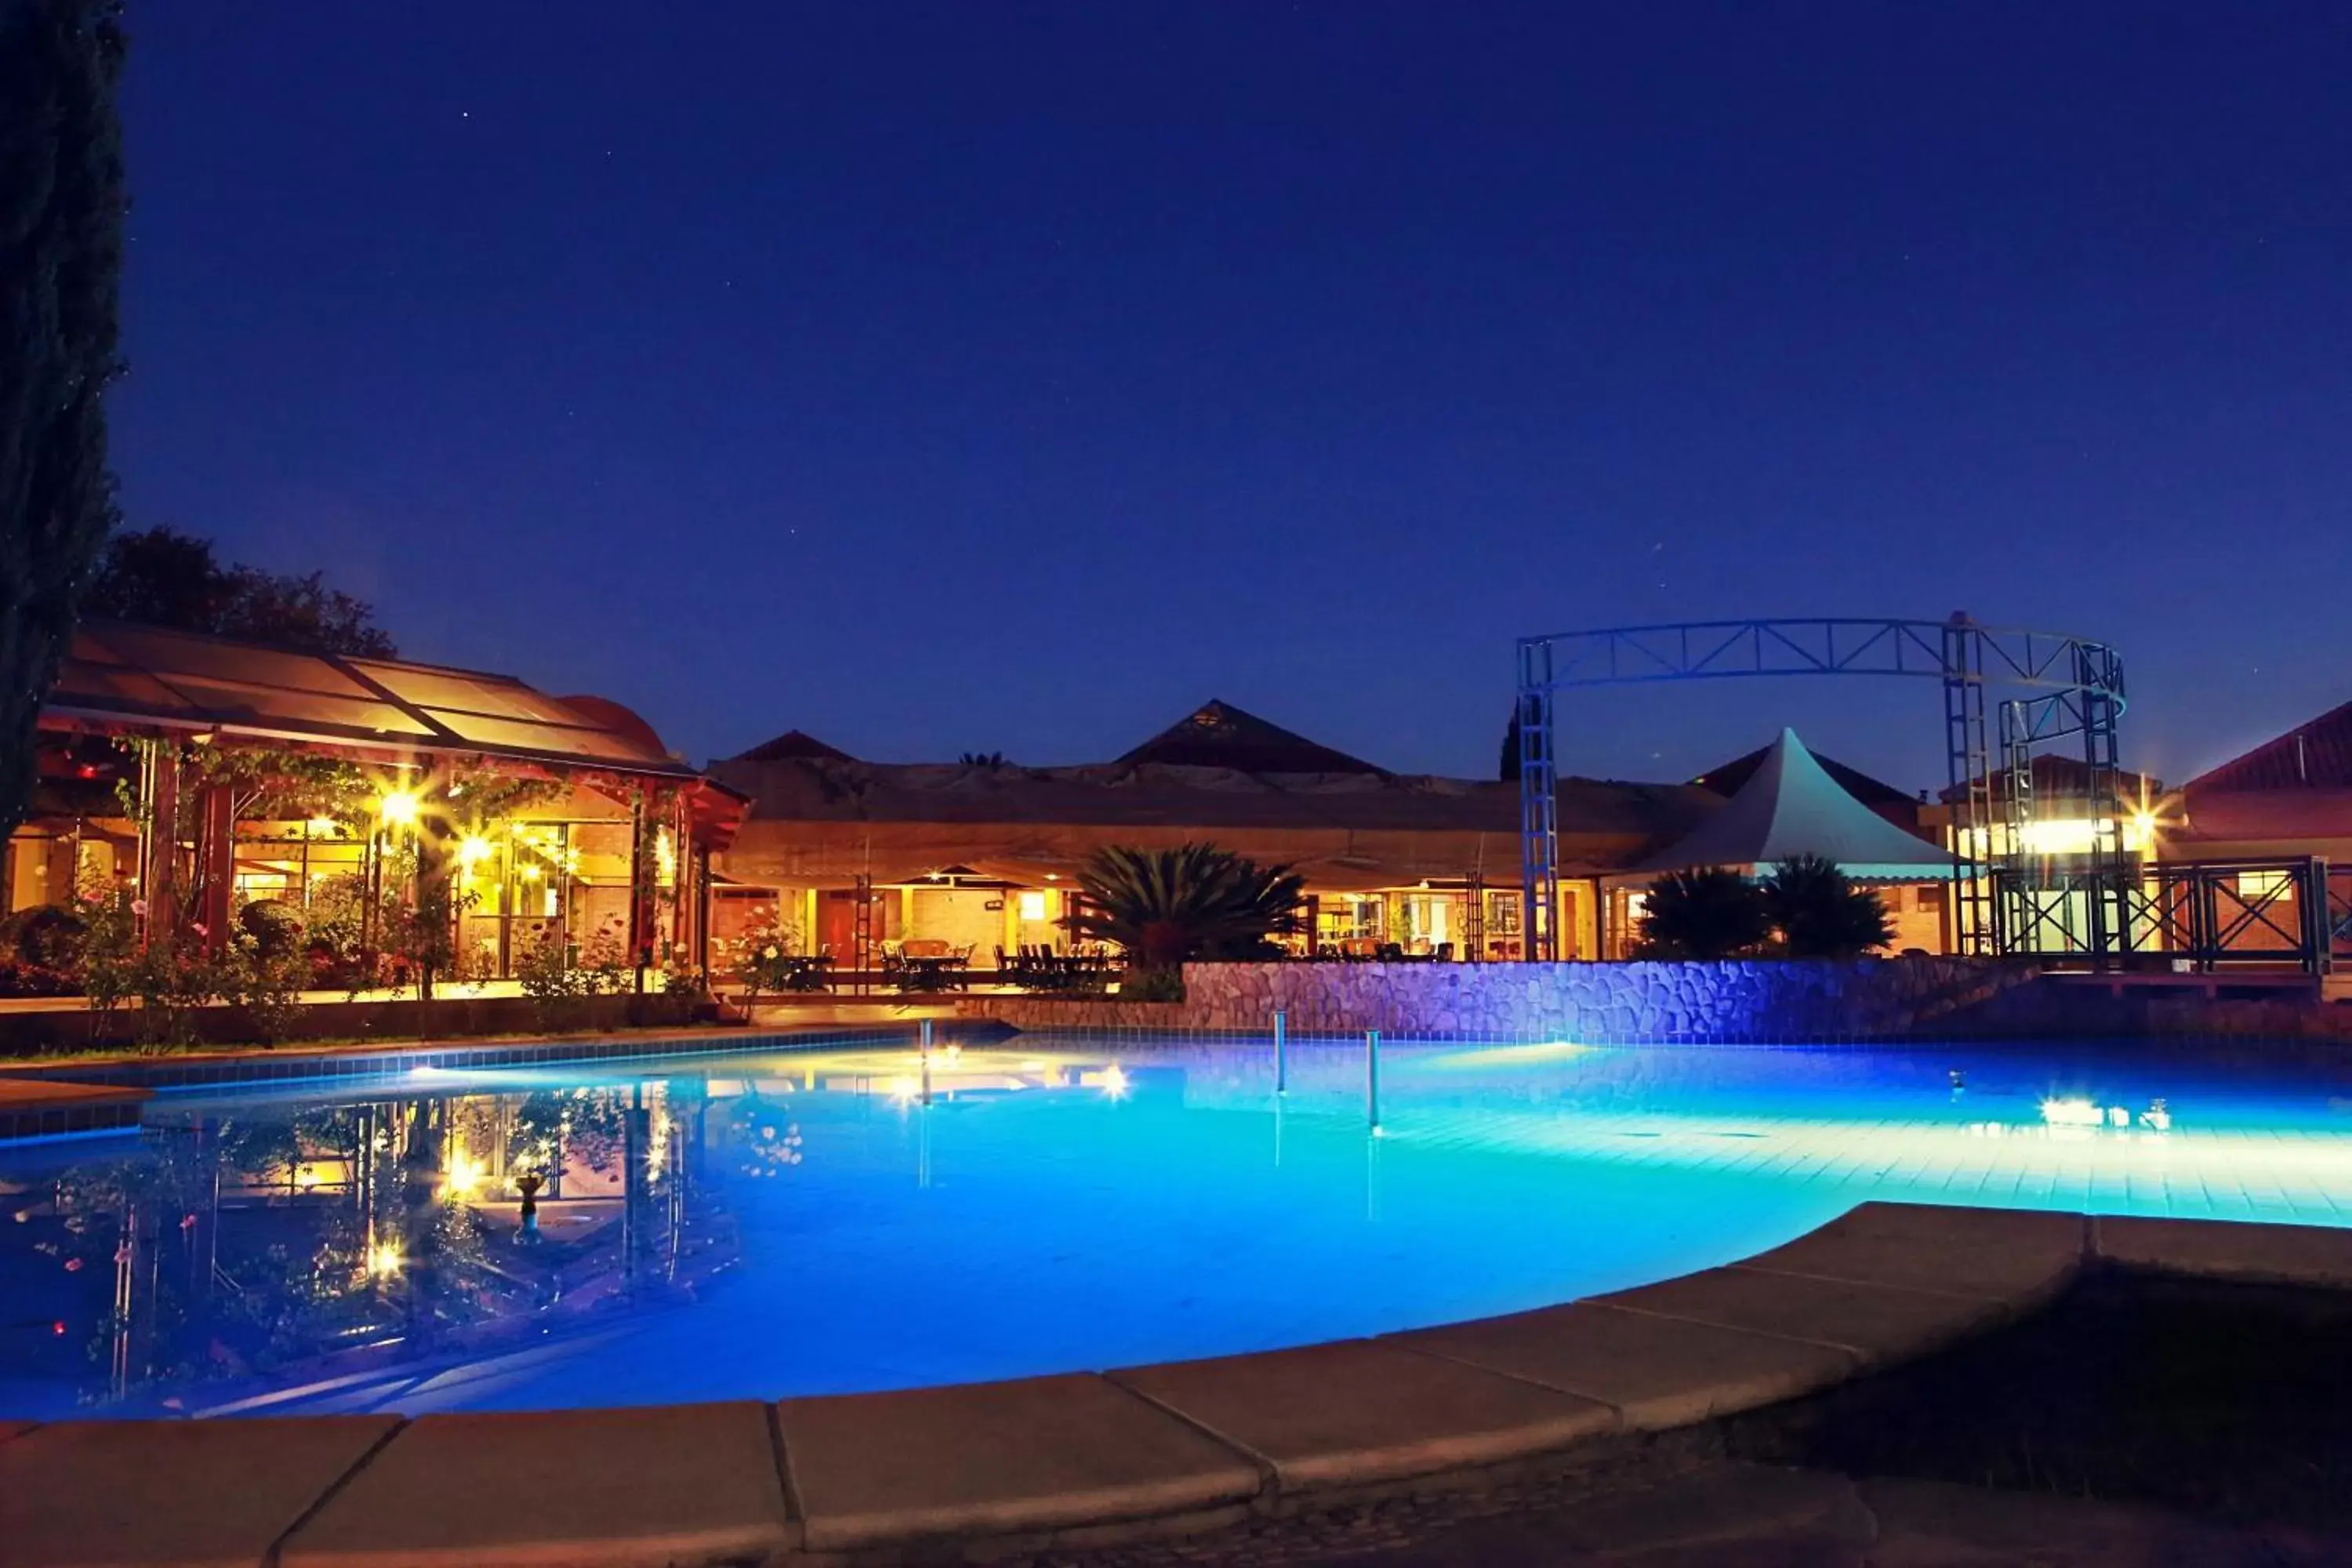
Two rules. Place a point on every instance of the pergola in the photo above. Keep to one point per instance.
(417, 735)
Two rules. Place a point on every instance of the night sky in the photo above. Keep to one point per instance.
(990, 377)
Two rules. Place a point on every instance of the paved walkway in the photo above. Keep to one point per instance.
(1747, 1515)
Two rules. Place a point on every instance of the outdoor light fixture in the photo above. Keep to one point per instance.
(463, 1177)
(384, 1260)
(474, 848)
(397, 807)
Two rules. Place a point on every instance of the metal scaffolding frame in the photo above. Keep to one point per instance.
(2070, 686)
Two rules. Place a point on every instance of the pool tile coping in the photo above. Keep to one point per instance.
(1179, 1445)
(107, 1097)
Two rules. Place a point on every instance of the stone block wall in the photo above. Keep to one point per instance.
(1738, 1001)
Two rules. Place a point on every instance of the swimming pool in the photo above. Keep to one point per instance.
(738, 1227)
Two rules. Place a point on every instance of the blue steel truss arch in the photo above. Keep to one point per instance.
(2064, 685)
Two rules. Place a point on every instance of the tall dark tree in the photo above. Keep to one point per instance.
(1511, 759)
(61, 207)
(160, 577)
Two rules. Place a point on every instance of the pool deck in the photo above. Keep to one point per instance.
(1086, 1460)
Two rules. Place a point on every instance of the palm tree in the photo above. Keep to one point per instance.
(1164, 907)
(1707, 913)
(1820, 913)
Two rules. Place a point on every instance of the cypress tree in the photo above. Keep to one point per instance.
(61, 210)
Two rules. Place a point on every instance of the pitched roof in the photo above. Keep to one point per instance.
(2063, 776)
(117, 675)
(2316, 755)
(1726, 778)
(1789, 807)
(792, 745)
(1220, 735)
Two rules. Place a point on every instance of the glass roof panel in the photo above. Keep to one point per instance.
(147, 672)
(487, 694)
(113, 685)
(237, 703)
(171, 653)
(572, 739)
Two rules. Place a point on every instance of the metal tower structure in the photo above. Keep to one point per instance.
(2065, 686)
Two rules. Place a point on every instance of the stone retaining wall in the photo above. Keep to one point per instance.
(1742, 1001)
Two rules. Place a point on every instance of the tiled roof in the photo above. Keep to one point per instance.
(2317, 756)
(794, 745)
(1220, 735)
(2066, 778)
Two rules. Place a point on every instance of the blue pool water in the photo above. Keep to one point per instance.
(798, 1224)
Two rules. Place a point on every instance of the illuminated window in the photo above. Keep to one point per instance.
(2254, 885)
(1033, 906)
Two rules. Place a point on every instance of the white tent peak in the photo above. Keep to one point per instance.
(1792, 806)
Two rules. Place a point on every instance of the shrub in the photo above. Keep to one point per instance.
(1153, 986)
(1165, 907)
(276, 927)
(1820, 913)
(47, 936)
(1704, 914)
(19, 978)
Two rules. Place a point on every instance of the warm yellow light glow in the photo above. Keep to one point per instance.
(2061, 836)
(463, 1177)
(396, 806)
(902, 1087)
(1113, 1081)
(385, 1259)
(529, 873)
(472, 849)
(665, 856)
(324, 827)
(1033, 906)
(305, 1178)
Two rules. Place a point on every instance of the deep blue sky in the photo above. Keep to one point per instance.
(956, 377)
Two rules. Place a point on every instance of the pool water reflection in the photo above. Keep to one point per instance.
(796, 1224)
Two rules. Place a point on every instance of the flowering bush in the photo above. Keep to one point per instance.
(762, 959)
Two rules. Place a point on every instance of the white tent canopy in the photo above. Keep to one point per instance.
(1789, 806)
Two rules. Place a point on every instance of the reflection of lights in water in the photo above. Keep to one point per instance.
(1113, 1081)
(902, 1089)
(657, 1143)
(385, 1259)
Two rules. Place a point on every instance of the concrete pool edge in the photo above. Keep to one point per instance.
(42, 1103)
(1089, 1458)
